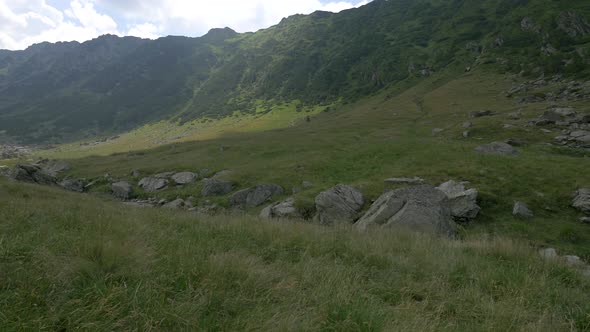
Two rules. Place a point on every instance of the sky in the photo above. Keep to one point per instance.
(26, 22)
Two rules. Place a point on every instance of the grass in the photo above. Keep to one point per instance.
(70, 261)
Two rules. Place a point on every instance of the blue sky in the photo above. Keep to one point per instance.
(25, 22)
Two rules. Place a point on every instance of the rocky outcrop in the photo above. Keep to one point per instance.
(340, 204)
(573, 24)
(72, 185)
(420, 208)
(522, 210)
(32, 174)
(122, 190)
(282, 210)
(498, 148)
(153, 184)
(574, 262)
(54, 167)
(582, 200)
(255, 196)
(216, 187)
(176, 204)
(463, 201)
(183, 178)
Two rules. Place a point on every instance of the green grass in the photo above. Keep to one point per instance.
(70, 261)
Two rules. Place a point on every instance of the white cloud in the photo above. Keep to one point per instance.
(24, 22)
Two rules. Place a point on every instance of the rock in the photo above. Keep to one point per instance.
(338, 205)
(564, 111)
(165, 175)
(522, 210)
(515, 115)
(579, 133)
(176, 204)
(183, 178)
(122, 190)
(414, 180)
(582, 200)
(72, 185)
(515, 142)
(222, 174)
(284, 209)
(216, 187)
(467, 124)
(551, 116)
(466, 133)
(54, 167)
(204, 173)
(437, 131)
(32, 174)
(548, 253)
(479, 114)
(527, 24)
(306, 184)
(573, 24)
(152, 184)
(585, 220)
(572, 260)
(135, 173)
(207, 209)
(499, 148)
(422, 208)
(463, 202)
(255, 196)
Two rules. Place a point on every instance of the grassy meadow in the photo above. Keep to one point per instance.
(70, 261)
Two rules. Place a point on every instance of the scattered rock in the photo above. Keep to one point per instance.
(72, 185)
(32, 174)
(573, 24)
(164, 175)
(122, 190)
(135, 173)
(572, 260)
(422, 208)
(467, 124)
(585, 220)
(479, 114)
(216, 187)
(515, 115)
(414, 180)
(54, 167)
(152, 184)
(183, 178)
(463, 201)
(548, 253)
(437, 131)
(466, 133)
(564, 111)
(499, 148)
(582, 200)
(255, 196)
(340, 204)
(522, 210)
(176, 204)
(284, 209)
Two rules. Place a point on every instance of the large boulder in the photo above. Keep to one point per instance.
(340, 204)
(521, 210)
(255, 196)
(183, 178)
(582, 200)
(176, 204)
(463, 201)
(216, 187)
(152, 184)
(72, 185)
(499, 148)
(282, 210)
(421, 208)
(122, 190)
(54, 167)
(33, 174)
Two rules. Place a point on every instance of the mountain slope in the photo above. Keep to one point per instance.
(63, 91)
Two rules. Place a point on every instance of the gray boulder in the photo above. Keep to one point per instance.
(498, 148)
(32, 174)
(282, 210)
(479, 114)
(152, 184)
(255, 196)
(183, 178)
(216, 187)
(548, 253)
(582, 200)
(421, 208)
(522, 210)
(176, 204)
(122, 190)
(164, 175)
(72, 185)
(463, 201)
(54, 167)
(340, 204)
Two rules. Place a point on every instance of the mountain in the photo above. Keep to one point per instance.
(65, 91)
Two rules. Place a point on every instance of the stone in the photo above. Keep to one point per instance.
(585, 220)
(573, 24)
(515, 142)
(498, 148)
(463, 201)
(338, 205)
(548, 253)
(152, 184)
(222, 174)
(515, 115)
(414, 180)
(466, 133)
(421, 208)
(582, 200)
(135, 173)
(183, 178)
(437, 131)
(216, 187)
(306, 184)
(564, 111)
(479, 114)
(467, 124)
(164, 175)
(572, 260)
(551, 116)
(522, 210)
(282, 210)
(176, 204)
(579, 133)
(122, 190)
(32, 174)
(54, 167)
(255, 196)
(72, 185)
